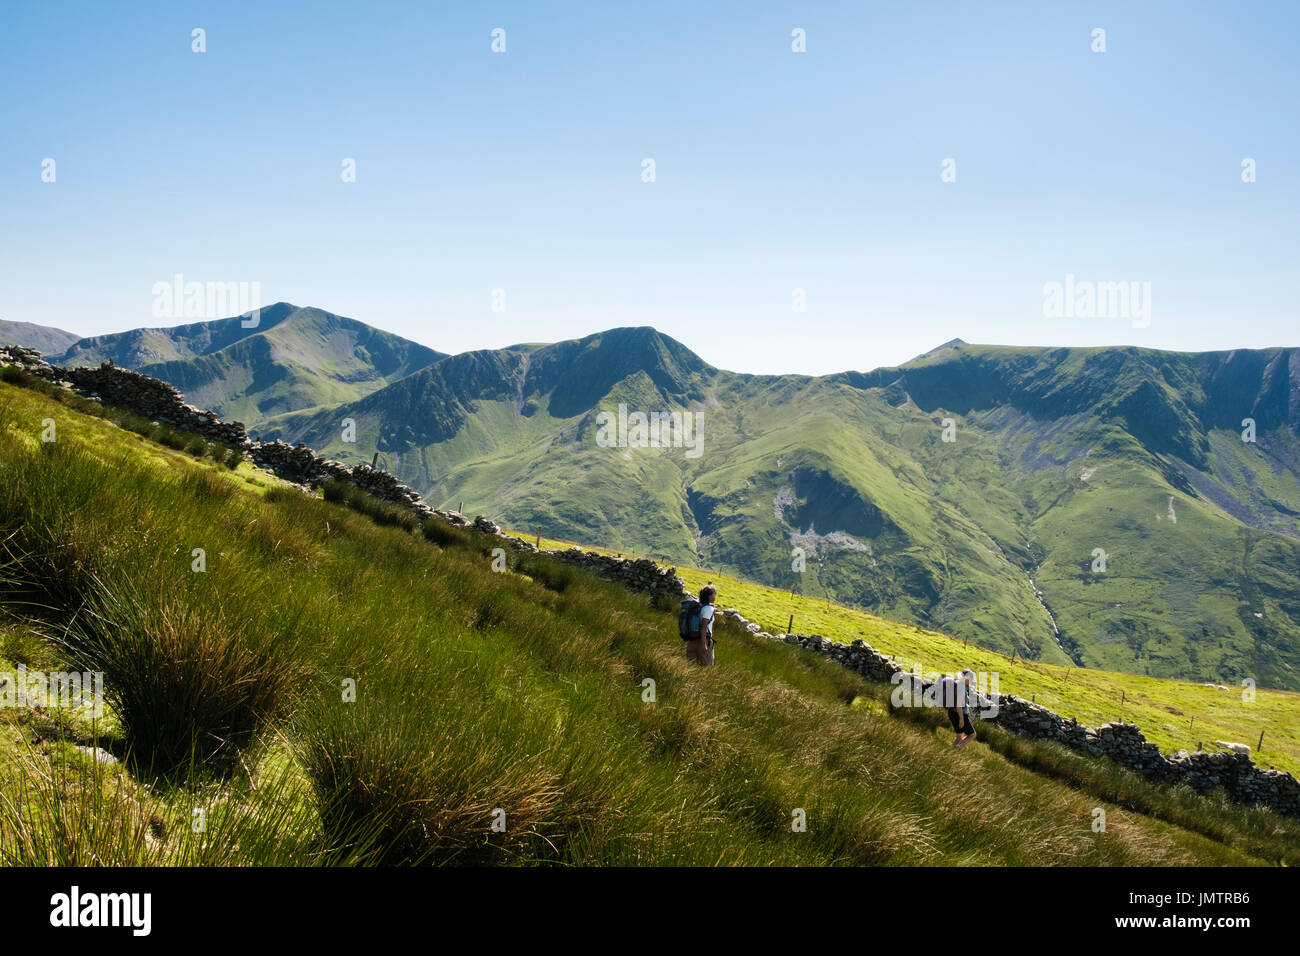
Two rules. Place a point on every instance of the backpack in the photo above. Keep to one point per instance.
(688, 621)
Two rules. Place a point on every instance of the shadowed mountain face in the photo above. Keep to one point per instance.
(1117, 507)
(289, 359)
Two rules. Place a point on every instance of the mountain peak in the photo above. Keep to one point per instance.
(950, 344)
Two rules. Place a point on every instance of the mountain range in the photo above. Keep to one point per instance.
(1123, 507)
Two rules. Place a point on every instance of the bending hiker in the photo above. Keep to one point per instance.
(954, 694)
(695, 626)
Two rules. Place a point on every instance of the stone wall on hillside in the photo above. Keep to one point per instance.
(636, 574)
(154, 399)
(302, 466)
(27, 359)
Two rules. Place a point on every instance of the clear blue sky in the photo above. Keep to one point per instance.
(775, 170)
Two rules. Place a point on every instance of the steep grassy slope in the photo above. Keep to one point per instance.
(971, 490)
(293, 358)
(479, 697)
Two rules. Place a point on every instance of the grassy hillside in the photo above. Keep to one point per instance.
(477, 695)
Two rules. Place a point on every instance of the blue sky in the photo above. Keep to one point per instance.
(775, 170)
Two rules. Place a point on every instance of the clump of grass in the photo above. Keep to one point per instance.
(167, 436)
(78, 812)
(13, 375)
(132, 421)
(47, 549)
(190, 691)
(380, 512)
(447, 535)
(206, 485)
(431, 798)
(548, 572)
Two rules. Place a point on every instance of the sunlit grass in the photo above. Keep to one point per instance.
(395, 699)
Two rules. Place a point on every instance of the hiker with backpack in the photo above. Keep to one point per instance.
(695, 626)
(954, 695)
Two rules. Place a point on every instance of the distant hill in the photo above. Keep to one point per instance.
(45, 339)
(294, 358)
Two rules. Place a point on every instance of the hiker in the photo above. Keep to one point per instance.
(954, 695)
(695, 626)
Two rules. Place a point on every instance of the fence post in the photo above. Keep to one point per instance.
(539, 537)
(789, 628)
(1260, 748)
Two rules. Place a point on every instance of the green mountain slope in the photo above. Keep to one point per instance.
(1057, 455)
(293, 358)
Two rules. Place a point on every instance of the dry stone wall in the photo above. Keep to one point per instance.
(636, 574)
(1123, 743)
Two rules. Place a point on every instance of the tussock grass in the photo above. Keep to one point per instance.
(447, 535)
(191, 691)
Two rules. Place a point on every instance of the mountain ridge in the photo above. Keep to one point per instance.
(971, 489)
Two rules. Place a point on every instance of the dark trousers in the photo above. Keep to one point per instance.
(960, 720)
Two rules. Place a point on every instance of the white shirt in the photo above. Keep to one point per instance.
(706, 616)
